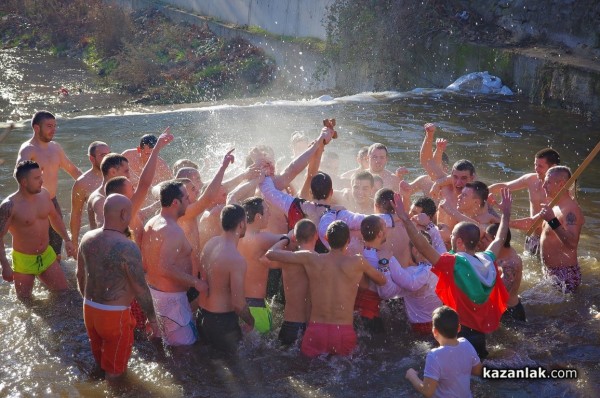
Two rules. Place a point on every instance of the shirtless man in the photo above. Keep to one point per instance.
(449, 188)
(560, 232)
(359, 198)
(224, 269)
(138, 157)
(26, 214)
(51, 157)
(431, 161)
(378, 158)
(167, 257)
(511, 264)
(87, 183)
(295, 283)
(533, 182)
(110, 276)
(255, 244)
(333, 280)
(471, 206)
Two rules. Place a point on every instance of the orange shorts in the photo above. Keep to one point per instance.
(110, 329)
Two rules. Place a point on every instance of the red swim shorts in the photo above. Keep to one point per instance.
(110, 329)
(325, 338)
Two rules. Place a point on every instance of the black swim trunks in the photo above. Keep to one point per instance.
(291, 332)
(220, 330)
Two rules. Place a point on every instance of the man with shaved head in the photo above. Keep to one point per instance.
(87, 183)
(110, 276)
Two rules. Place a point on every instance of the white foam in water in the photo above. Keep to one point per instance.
(480, 82)
(544, 292)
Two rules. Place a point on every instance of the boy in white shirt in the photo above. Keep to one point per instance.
(448, 368)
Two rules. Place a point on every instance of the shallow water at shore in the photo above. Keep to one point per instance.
(45, 349)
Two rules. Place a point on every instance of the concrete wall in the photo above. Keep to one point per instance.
(300, 18)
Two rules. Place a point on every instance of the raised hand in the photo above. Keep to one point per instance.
(401, 172)
(229, 158)
(506, 203)
(441, 144)
(429, 128)
(399, 207)
(165, 138)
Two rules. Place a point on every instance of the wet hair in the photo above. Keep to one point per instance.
(551, 156)
(321, 186)
(40, 116)
(427, 206)
(445, 321)
(181, 163)
(464, 165)
(232, 216)
(564, 170)
(384, 200)
(112, 161)
(148, 140)
(23, 168)
(364, 176)
(492, 229)
(377, 146)
(338, 234)
(370, 227)
(469, 233)
(115, 185)
(305, 230)
(169, 191)
(252, 207)
(94, 145)
(480, 190)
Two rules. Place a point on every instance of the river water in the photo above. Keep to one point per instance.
(44, 348)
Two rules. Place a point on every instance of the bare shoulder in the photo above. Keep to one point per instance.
(26, 149)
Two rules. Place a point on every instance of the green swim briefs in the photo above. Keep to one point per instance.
(33, 264)
(263, 321)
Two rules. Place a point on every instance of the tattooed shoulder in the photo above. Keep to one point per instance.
(571, 218)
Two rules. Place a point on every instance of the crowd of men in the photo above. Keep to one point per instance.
(192, 261)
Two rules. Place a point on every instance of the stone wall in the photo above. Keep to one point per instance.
(299, 18)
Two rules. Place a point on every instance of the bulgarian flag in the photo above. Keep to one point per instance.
(471, 285)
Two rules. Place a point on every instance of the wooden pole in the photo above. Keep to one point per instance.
(574, 177)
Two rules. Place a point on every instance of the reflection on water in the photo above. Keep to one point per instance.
(45, 349)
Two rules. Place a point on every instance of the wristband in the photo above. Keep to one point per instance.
(286, 237)
(554, 223)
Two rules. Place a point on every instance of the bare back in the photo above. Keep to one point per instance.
(111, 264)
(333, 280)
(224, 268)
(297, 301)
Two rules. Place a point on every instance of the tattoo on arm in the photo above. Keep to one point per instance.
(571, 219)
(132, 262)
(5, 213)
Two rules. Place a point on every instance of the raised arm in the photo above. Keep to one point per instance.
(505, 207)
(6, 209)
(211, 191)
(297, 165)
(313, 168)
(417, 239)
(426, 153)
(514, 185)
(139, 196)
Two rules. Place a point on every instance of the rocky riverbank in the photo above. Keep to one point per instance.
(142, 54)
